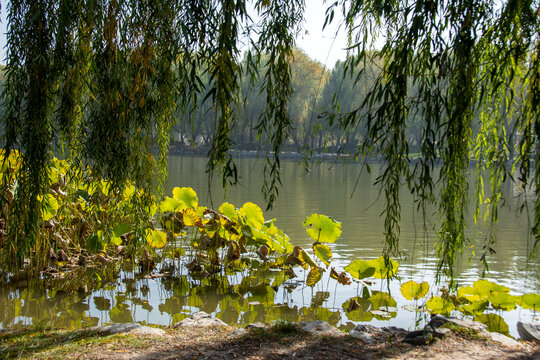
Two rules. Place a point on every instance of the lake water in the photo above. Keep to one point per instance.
(325, 189)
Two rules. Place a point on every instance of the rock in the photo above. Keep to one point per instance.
(438, 321)
(418, 337)
(500, 338)
(257, 325)
(529, 331)
(364, 336)
(319, 327)
(238, 332)
(371, 329)
(133, 328)
(200, 319)
(247, 329)
(439, 332)
(395, 330)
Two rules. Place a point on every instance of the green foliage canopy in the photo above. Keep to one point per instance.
(100, 80)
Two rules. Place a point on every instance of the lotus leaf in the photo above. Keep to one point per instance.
(191, 218)
(186, 196)
(305, 257)
(320, 313)
(382, 300)
(360, 269)
(314, 276)
(474, 308)
(384, 268)
(494, 323)
(101, 303)
(360, 311)
(413, 290)
(323, 252)
(49, 206)
(229, 211)
(319, 298)
(263, 294)
(121, 229)
(169, 205)
(322, 228)
(502, 301)
(341, 278)
(156, 238)
(279, 279)
(253, 215)
(438, 305)
(529, 301)
(234, 251)
(95, 243)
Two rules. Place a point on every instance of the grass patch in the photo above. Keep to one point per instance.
(35, 343)
(467, 333)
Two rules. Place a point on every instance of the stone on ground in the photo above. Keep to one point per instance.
(200, 319)
(438, 321)
(364, 336)
(500, 338)
(133, 328)
(529, 331)
(319, 327)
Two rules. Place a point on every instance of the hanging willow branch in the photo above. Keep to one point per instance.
(102, 82)
(459, 66)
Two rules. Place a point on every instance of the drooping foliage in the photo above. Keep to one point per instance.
(97, 81)
(469, 70)
(101, 81)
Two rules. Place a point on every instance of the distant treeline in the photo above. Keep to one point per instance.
(320, 95)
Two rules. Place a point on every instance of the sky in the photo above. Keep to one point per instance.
(320, 45)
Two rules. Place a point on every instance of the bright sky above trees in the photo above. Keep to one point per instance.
(323, 46)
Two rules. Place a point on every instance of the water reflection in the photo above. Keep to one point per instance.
(90, 298)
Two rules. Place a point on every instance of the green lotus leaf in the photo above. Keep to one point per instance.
(252, 215)
(502, 301)
(322, 228)
(384, 269)
(49, 206)
(382, 300)
(229, 211)
(186, 196)
(413, 290)
(529, 301)
(438, 305)
(360, 311)
(169, 205)
(305, 257)
(95, 243)
(323, 252)
(319, 298)
(471, 294)
(282, 243)
(280, 278)
(155, 238)
(121, 229)
(494, 323)
(128, 192)
(320, 313)
(314, 276)
(360, 269)
(474, 308)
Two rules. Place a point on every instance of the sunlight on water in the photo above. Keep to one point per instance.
(129, 296)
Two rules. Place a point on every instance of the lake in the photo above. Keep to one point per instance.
(336, 190)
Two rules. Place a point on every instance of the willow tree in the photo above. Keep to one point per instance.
(470, 62)
(99, 80)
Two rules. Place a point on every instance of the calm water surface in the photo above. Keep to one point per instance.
(328, 190)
